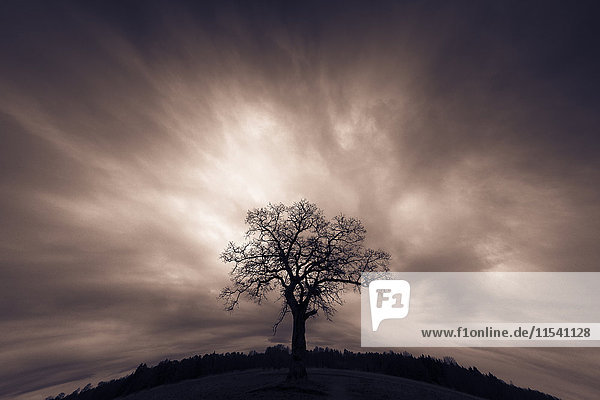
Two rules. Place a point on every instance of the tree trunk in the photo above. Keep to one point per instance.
(297, 367)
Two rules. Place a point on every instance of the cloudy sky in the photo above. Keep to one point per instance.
(136, 135)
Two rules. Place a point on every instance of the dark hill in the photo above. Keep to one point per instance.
(324, 383)
(266, 379)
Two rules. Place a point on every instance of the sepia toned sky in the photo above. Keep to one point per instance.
(136, 135)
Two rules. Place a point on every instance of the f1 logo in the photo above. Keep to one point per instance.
(389, 299)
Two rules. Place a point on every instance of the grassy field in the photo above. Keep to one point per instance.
(323, 383)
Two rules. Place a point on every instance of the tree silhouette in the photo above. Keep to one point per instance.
(308, 259)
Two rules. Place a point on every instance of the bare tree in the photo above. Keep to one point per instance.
(308, 260)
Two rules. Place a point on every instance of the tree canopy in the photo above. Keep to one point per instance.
(308, 259)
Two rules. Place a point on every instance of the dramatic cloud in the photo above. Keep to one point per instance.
(136, 136)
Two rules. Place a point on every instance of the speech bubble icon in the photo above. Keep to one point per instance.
(389, 299)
